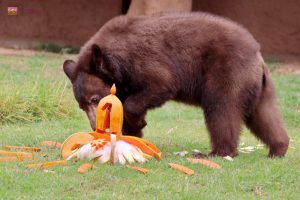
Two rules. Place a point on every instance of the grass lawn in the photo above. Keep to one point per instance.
(37, 104)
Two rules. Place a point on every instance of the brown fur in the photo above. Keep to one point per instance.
(198, 59)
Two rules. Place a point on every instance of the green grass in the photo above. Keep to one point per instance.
(54, 48)
(36, 104)
(31, 90)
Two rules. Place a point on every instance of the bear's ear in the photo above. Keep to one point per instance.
(104, 67)
(97, 56)
(70, 69)
(97, 60)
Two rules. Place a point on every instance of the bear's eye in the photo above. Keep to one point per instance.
(94, 100)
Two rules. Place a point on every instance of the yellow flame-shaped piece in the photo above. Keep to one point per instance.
(110, 114)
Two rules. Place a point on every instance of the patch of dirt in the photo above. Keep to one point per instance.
(289, 65)
(14, 52)
(27, 52)
(289, 68)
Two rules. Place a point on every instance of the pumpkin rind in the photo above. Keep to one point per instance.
(77, 138)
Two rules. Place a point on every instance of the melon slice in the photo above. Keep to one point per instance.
(77, 139)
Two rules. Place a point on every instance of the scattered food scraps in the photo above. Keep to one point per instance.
(35, 149)
(229, 158)
(85, 168)
(182, 169)
(181, 153)
(139, 169)
(51, 144)
(47, 164)
(207, 163)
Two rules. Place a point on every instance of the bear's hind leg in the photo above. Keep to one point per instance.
(266, 123)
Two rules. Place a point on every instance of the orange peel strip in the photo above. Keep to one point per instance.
(85, 168)
(182, 168)
(207, 163)
(35, 149)
(47, 164)
(16, 154)
(14, 158)
(138, 169)
(80, 138)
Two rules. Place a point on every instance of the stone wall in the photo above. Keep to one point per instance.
(274, 23)
(64, 22)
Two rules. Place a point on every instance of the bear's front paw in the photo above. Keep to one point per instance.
(223, 153)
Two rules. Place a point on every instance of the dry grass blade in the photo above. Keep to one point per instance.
(51, 144)
(84, 168)
(207, 163)
(181, 168)
(35, 149)
(47, 164)
(139, 169)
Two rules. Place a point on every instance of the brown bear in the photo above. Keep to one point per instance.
(196, 58)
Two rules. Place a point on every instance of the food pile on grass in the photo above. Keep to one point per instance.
(30, 154)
